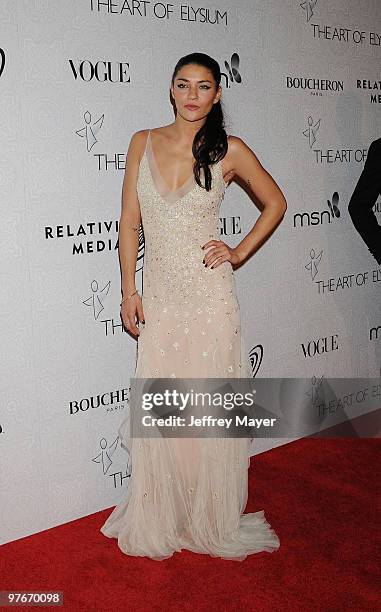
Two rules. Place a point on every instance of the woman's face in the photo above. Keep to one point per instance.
(194, 86)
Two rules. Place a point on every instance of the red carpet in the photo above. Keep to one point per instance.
(319, 495)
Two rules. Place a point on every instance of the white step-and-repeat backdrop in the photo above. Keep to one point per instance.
(301, 86)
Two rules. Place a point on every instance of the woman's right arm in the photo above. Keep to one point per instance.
(129, 232)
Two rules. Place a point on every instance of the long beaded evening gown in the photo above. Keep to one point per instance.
(187, 493)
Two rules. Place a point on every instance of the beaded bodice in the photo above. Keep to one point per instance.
(175, 225)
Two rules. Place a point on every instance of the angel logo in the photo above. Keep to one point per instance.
(95, 301)
(308, 7)
(314, 262)
(311, 131)
(256, 356)
(333, 206)
(107, 458)
(233, 74)
(313, 393)
(2, 61)
(90, 130)
(104, 458)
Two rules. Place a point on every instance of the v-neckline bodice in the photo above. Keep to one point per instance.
(159, 181)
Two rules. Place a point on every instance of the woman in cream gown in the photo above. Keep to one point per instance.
(187, 493)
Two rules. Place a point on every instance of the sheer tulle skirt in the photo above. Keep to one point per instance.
(188, 493)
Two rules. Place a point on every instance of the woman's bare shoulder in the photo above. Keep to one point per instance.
(236, 147)
(233, 145)
(139, 138)
(138, 142)
(235, 142)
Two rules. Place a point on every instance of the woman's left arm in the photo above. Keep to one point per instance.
(242, 162)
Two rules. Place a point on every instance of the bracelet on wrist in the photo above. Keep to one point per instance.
(128, 297)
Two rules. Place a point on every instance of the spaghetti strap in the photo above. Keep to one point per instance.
(147, 139)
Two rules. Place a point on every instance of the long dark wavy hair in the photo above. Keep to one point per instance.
(210, 143)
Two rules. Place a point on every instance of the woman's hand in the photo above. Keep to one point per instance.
(132, 311)
(220, 252)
